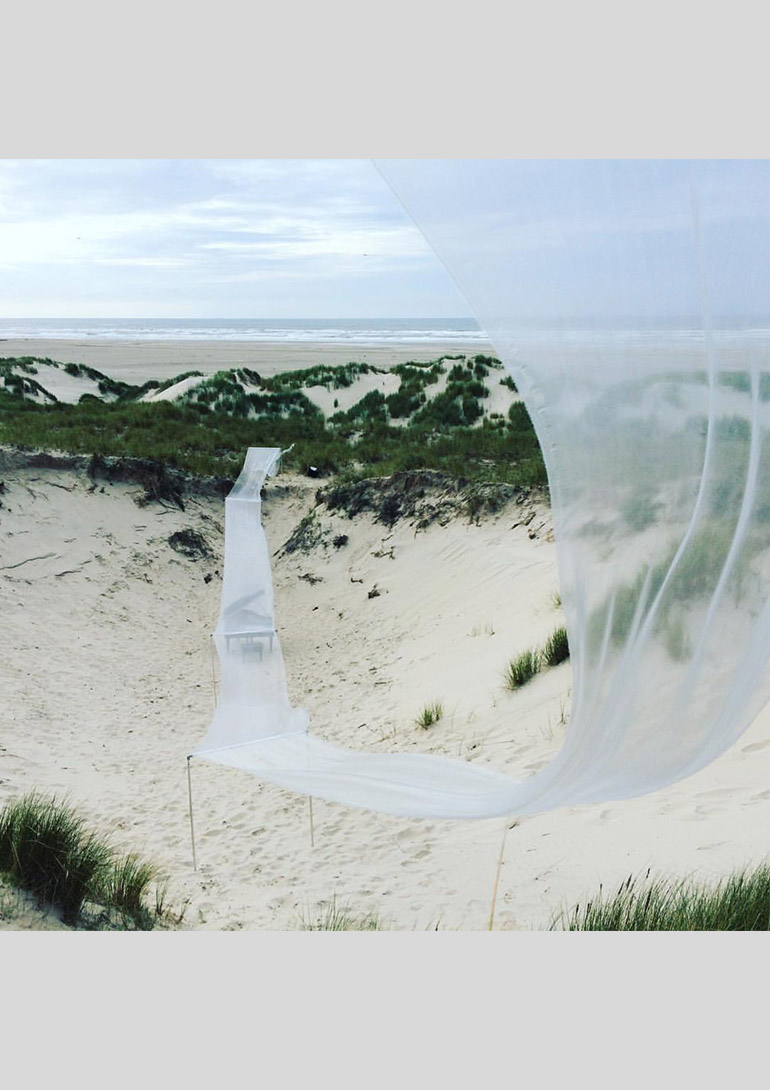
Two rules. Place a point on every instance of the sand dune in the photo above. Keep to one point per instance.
(137, 361)
(108, 684)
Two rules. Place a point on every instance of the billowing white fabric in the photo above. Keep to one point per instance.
(253, 701)
(631, 303)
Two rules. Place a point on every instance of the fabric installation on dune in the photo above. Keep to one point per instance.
(630, 301)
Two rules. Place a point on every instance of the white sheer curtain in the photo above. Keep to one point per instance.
(631, 303)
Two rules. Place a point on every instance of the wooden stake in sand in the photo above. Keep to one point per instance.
(213, 678)
(497, 874)
(312, 837)
(192, 827)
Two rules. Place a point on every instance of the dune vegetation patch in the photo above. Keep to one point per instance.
(332, 916)
(438, 419)
(527, 664)
(740, 902)
(430, 714)
(47, 849)
(421, 496)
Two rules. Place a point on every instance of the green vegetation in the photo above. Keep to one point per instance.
(108, 387)
(16, 372)
(524, 667)
(332, 917)
(640, 511)
(305, 536)
(332, 377)
(739, 903)
(422, 496)
(17, 381)
(207, 430)
(47, 850)
(556, 648)
(430, 714)
(159, 387)
(459, 404)
(692, 580)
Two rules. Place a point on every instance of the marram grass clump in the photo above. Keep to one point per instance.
(738, 903)
(47, 850)
(522, 669)
(430, 714)
(556, 648)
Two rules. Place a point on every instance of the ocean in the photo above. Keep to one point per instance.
(376, 331)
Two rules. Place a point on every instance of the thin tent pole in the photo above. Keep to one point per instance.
(213, 676)
(310, 804)
(192, 826)
(497, 874)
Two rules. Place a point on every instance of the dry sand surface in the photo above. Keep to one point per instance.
(138, 361)
(107, 681)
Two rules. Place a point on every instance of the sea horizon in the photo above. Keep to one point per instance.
(289, 330)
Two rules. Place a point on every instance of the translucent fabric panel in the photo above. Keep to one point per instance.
(630, 302)
(253, 699)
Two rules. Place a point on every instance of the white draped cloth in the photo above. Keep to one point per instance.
(631, 303)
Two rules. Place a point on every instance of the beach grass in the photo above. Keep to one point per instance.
(738, 903)
(522, 669)
(335, 917)
(47, 849)
(556, 648)
(430, 714)
(525, 666)
(127, 884)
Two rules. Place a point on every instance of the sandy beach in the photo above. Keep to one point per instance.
(139, 360)
(109, 682)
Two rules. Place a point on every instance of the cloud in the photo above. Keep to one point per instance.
(208, 236)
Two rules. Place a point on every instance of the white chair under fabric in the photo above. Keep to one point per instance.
(247, 625)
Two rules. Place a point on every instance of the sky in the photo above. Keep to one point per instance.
(129, 238)
(526, 240)
(552, 242)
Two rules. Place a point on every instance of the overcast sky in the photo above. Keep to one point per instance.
(594, 241)
(528, 240)
(212, 238)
